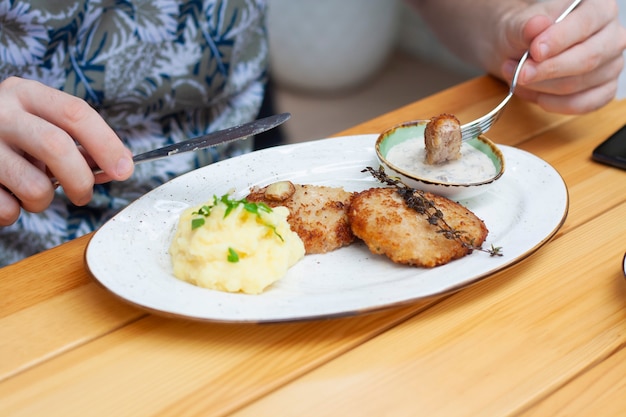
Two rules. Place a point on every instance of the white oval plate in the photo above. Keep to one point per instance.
(129, 254)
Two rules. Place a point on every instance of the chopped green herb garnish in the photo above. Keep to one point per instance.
(233, 256)
(197, 222)
(271, 226)
(254, 208)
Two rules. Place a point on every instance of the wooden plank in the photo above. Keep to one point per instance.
(59, 324)
(594, 188)
(599, 392)
(159, 366)
(492, 349)
(28, 282)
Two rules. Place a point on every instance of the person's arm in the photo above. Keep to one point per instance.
(40, 128)
(573, 65)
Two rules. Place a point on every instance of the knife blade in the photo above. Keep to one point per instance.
(219, 137)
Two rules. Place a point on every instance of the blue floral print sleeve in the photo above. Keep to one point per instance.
(158, 71)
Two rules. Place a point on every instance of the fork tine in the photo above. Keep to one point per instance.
(475, 129)
(471, 132)
(484, 123)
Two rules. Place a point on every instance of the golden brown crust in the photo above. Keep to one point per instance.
(442, 139)
(318, 214)
(380, 217)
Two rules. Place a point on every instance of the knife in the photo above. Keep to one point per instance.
(230, 134)
(219, 137)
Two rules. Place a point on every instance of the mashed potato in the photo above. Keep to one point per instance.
(233, 245)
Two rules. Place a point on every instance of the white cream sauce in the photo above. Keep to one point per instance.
(473, 166)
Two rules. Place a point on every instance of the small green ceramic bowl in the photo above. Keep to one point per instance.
(400, 150)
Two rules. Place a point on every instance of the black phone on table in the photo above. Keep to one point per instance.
(613, 150)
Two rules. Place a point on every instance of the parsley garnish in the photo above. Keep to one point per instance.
(255, 208)
(197, 222)
(233, 256)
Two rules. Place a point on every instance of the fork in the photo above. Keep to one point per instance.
(474, 128)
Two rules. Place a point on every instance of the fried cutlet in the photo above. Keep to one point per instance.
(318, 214)
(442, 139)
(381, 218)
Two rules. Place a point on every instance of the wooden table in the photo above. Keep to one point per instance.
(545, 337)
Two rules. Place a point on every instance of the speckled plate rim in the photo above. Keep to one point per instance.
(129, 255)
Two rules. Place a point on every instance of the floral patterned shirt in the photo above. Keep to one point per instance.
(158, 71)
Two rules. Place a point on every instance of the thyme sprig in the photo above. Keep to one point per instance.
(417, 200)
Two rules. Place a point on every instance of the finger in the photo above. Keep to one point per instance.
(598, 51)
(51, 145)
(9, 208)
(100, 177)
(579, 103)
(533, 27)
(22, 183)
(86, 126)
(583, 22)
(578, 81)
(520, 31)
(82, 123)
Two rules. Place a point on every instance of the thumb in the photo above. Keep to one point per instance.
(520, 33)
(523, 29)
(533, 27)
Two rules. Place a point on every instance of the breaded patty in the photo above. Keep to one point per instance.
(318, 214)
(381, 218)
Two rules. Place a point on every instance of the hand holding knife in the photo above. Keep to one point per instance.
(219, 137)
